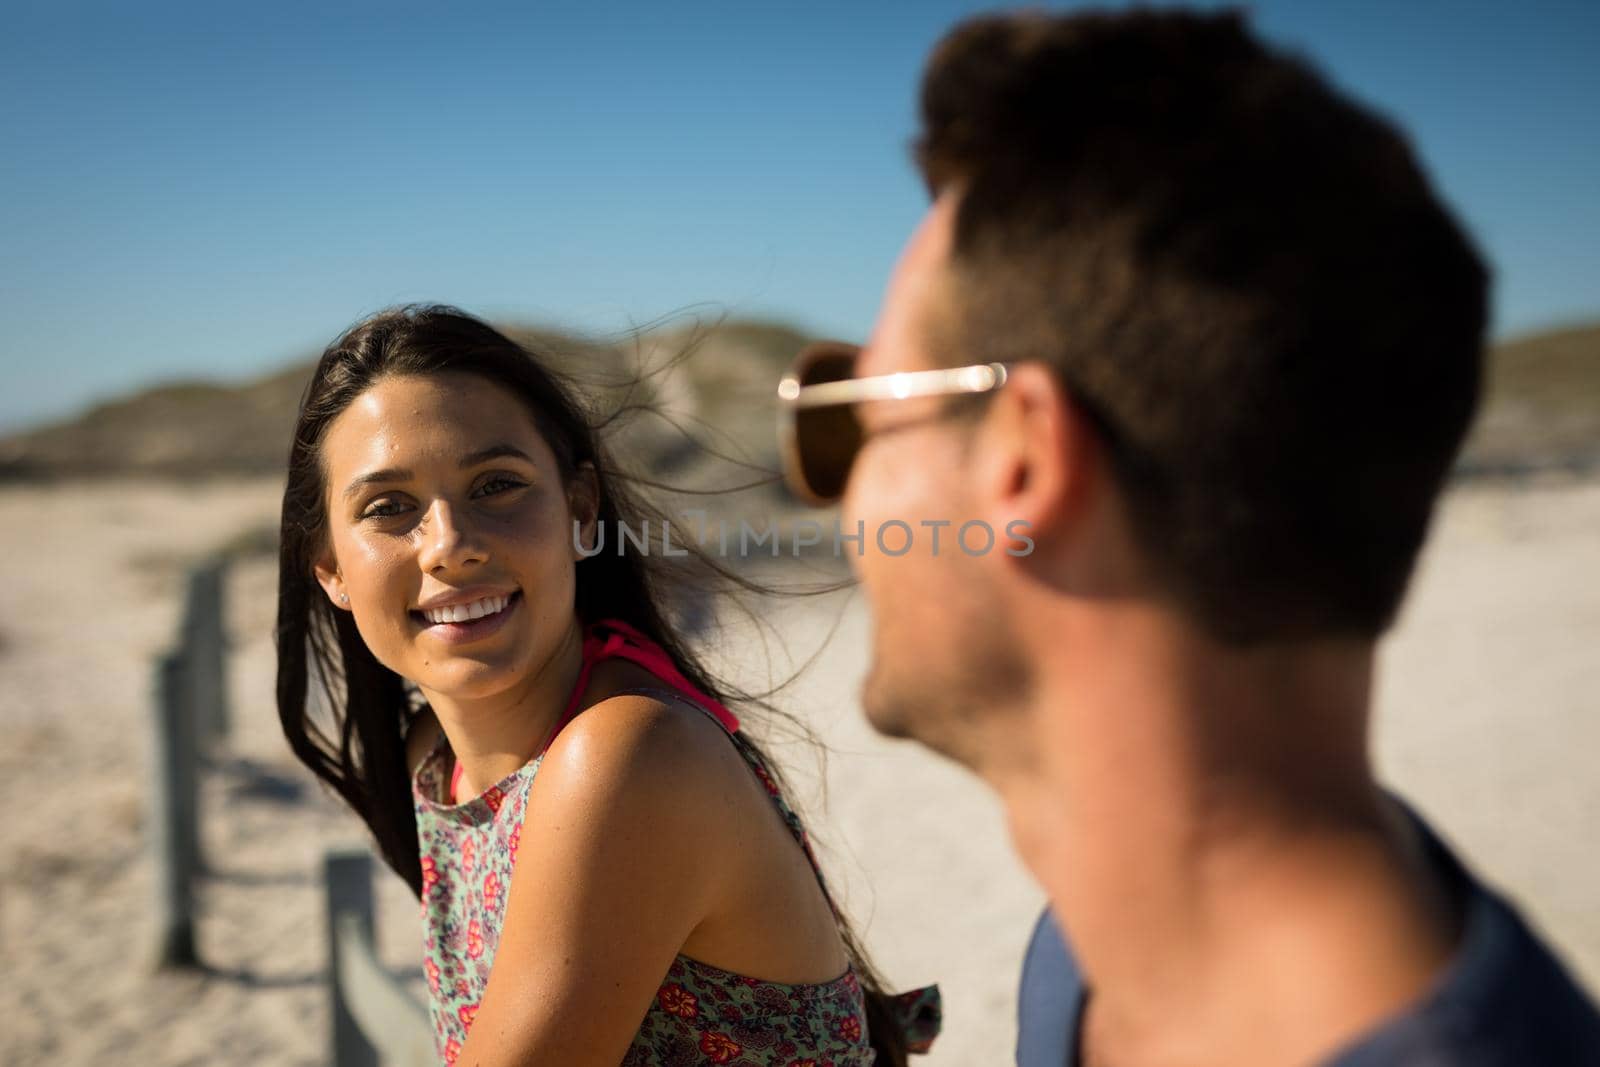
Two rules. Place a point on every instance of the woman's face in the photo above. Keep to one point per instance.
(443, 496)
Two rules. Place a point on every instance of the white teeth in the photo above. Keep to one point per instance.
(467, 612)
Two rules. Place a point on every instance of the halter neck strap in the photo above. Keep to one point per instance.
(613, 638)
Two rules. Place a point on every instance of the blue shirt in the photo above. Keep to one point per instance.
(1503, 1000)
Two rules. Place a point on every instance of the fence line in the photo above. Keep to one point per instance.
(204, 636)
(190, 719)
(374, 1017)
(173, 816)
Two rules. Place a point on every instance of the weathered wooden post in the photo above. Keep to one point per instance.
(348, 877)
(172, 816)
(374, 1017)
(205, 640)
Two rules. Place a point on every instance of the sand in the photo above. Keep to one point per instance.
(1487, 719)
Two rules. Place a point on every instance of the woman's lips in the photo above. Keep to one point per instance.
(456, 633)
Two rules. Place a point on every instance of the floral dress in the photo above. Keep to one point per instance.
(701, 1014)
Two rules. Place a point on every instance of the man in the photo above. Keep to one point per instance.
(1223, 342)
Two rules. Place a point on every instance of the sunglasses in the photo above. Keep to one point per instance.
(819, 426)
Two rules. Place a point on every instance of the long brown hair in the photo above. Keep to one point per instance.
(355, 741)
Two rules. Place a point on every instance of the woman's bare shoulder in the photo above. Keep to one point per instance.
(662, 750)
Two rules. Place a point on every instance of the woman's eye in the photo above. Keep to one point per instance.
(382, 509)
(499, 483)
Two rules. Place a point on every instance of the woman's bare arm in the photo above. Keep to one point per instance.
(617, 865)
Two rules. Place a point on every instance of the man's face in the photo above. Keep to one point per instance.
(938, 637)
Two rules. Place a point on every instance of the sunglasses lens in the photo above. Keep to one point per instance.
(827, 438)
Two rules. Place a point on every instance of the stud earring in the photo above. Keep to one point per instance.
(344, 598)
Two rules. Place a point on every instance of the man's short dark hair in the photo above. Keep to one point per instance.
(1241, 275)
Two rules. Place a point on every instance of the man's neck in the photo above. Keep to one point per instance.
(1234, 884)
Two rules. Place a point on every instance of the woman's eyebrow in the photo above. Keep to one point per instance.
(397, 474)
(388, 474)
(495, 452)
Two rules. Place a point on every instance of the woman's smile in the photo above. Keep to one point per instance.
(461, 621)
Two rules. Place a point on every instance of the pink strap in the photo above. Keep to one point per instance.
(624, 642)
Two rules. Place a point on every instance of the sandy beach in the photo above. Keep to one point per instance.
(1488, 716)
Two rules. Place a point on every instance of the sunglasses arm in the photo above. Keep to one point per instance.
(978, 378)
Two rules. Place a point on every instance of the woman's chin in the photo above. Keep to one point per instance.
(462, 678)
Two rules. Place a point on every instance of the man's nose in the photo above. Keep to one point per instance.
(450, 539)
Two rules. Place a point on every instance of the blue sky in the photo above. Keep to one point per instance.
(214, 190)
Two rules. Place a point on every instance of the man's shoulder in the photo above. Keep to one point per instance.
(1049, 999)
(1504, 999)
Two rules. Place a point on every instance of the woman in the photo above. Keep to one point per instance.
(503, 701)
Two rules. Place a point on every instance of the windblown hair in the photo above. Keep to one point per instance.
(1241, 276)
(356, 740)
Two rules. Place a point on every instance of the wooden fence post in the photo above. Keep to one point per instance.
(205, 641)
(348, 877)
(172, 817)
(189, 710)
(373, 1015)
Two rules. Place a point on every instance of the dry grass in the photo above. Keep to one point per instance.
(714, 381)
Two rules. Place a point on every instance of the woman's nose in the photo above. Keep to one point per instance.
(450, 539)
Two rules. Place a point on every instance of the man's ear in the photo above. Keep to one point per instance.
(1037, 456)
(583, 501)
(331, 580)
